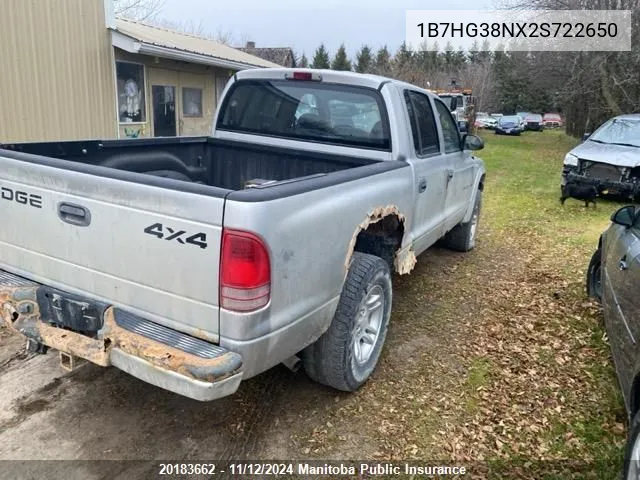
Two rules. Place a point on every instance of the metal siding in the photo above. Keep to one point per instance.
(57, 79)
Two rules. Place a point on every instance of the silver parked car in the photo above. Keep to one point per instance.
(608, 159)
(614, 278)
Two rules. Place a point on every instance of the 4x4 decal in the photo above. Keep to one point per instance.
(168, 233)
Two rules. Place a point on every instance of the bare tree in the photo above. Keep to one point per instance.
(196, 29)
(589, 87)
(142, 10)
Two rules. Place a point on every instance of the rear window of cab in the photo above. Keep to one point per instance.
(307, 110)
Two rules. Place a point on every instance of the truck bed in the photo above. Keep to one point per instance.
(96, 218)
(218, 163)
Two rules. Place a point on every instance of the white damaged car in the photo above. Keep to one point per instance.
(608, 159)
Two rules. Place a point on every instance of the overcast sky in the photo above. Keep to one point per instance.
(304, 24)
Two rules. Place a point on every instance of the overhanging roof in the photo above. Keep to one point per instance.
(136, 37)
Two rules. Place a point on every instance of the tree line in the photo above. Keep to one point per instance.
(489, 74)
(587, 88)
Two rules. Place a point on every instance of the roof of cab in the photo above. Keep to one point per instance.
(330, 76)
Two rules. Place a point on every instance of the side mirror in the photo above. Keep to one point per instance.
(472, 142)
(585, 137)
(624, 216)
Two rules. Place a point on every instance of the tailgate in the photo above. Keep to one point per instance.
(148, 249)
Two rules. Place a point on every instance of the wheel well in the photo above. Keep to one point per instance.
(481, 183)
(382, 238)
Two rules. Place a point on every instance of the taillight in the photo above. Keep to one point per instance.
(245, 272)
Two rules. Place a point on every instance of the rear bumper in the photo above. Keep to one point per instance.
(153, 353)
(509, 131)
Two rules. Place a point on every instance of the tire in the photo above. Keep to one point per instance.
(463, 236)
(341, 358)
(594, 276)
(631, 457)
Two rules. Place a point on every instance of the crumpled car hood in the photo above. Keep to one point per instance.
(618, 155)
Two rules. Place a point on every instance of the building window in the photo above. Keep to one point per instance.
(191, 102)
(131, 99)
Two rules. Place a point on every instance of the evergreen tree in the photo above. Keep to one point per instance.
(434, 57)
(341, 61)
(474, 54)
(383, 62)
(404, 57)
(321, 58)
(448, 55)
(303, 63)
(484, 55)
(364, 60)
(459, 58)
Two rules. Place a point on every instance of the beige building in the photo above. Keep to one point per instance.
(71, 70)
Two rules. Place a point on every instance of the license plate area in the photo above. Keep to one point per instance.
(70, 311)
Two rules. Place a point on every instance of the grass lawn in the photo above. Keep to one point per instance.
(524, 182)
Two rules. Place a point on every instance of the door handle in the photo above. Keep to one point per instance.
(450, 174)
(422, 185)
(74, 214)
(623, 263)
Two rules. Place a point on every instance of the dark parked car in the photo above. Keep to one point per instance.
(509, 125)
(533, 122)
(608, 159)
(614, 278)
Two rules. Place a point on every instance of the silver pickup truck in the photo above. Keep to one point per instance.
(195, 263)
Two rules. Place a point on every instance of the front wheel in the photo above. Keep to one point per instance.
(594, 276)
(463, 236)
(345, 356)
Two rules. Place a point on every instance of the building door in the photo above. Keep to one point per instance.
(164, 110)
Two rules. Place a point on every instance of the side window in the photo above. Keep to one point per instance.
(423, 126)
(449, 129)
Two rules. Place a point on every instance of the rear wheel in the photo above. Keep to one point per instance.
(345, 356)
(594, 276)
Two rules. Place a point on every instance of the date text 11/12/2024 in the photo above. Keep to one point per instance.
(303, 468)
